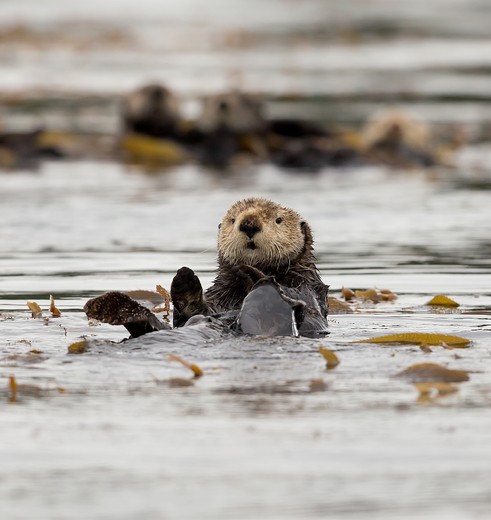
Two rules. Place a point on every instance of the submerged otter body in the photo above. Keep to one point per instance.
(258, 235)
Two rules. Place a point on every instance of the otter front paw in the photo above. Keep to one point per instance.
(187, 296)
(247, 276)
(117, 308)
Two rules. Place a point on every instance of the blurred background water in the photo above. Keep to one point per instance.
(108, 434)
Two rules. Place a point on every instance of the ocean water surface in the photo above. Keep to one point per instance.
(122, 431)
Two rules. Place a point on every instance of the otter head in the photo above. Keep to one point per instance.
(263, 234)
(150, 102)
(233, 111)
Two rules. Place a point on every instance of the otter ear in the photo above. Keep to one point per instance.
(219, 225)
(306, 232)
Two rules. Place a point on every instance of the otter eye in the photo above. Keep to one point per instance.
(279, 220)
(232, 220)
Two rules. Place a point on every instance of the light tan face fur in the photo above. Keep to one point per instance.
(260, 233)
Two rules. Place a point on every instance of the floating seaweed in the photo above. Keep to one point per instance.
(441, 300)
(420, 338)
(12, 389)
(151, 152)
(337, 306)
(332, 361)
(35, 309)
(167, 300)
(79, 347)
(195, 368)
(55, 312)
(371, 295)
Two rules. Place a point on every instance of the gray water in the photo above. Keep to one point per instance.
(267, 432)
(250, 438)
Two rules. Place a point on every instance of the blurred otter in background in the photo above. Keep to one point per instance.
(233, 111)
(232, 123)
(25, 150)
(307, 145)
(394, 138)
(151, 110)
(231, 128)
(235, 123)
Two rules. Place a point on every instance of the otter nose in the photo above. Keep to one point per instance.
(249, 227)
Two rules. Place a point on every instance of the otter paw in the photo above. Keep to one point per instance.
(117, 308)
(185, 287)
(247, 275)
(187, 296)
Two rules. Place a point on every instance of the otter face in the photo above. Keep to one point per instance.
(233, 111)
(261, 233)
(151, 101)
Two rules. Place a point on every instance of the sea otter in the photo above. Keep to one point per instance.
(151, 110)
(267, 280)
(257, 238)
(235, 125)
(232, 124)
(394, 138)
(267, 310)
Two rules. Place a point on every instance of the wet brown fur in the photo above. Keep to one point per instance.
(270, 237)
